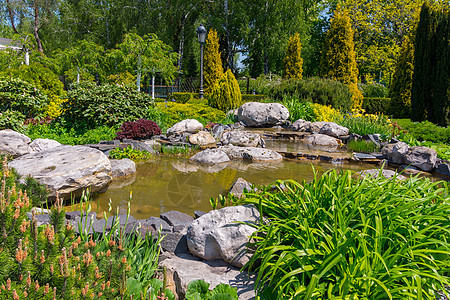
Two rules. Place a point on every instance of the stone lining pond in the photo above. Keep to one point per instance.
(175, 183)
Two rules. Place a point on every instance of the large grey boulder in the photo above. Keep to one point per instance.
(301, 125)
(334, 130)
(66, 170)
(202, 138)
(211, 156)
(251, 153)
(315, 127)
(421, 157)
(241, 138)
(14, 143)
(322, 140)
(395, 153)
(39, 145)
(255, 114)
(188, 125)
(220, 234)
(184, 268)
(122, 167)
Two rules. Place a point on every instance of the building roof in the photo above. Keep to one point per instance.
(8, 43)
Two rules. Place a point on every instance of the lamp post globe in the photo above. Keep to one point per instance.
(201, 34)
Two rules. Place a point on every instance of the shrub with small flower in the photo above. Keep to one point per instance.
(360, 123)
(52, 262)
(325, 112)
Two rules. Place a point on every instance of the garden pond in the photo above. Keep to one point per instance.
(174, 183)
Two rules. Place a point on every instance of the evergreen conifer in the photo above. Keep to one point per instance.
(226, 94)
(339, 57)
(400, 92)
(212, 64)
(293, 62)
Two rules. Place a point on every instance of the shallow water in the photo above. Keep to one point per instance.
(173, 183)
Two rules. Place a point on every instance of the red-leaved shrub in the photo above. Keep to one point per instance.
(141, 129)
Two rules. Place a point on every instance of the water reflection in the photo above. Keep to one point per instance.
(177, 184)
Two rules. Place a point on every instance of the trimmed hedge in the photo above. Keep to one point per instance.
(184, 97)
(317, 90)
(377, 105)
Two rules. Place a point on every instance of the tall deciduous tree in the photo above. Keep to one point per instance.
(212, 63)
(293, 61)
(338, 56)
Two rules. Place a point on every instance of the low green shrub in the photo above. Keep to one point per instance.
(376, 105)
(129, 152)
(11, 119)
(21, 96)
(346, 237)
(183, 97)
(177, 150)
(373, 90)
(69, 136)
(225, 94)
(169, 113)
(199, 289)
(317, 90)
(299, 109)
(89, 106)
(426, 131)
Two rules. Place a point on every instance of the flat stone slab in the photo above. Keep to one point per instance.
(185, 268)
(251, 153)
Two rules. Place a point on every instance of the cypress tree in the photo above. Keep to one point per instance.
(212, 64)
(441, 78)
(421, 98)
(400, 92)
(430, 86)
(293, 61)
(226, 94)
(339, 57)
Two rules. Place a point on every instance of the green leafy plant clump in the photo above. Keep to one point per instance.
(365, 124)
(199, 290)
(183, 97)
(362, 146)
(346, 237)
(166, 114)
(18, 95)
(130, 153)
(89, 106)
(298, 108)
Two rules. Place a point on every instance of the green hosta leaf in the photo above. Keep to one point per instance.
(224, 289)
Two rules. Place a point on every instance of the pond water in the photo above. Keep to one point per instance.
(174, 183)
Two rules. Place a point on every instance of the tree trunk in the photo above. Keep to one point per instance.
(36, 27)
(11, 16)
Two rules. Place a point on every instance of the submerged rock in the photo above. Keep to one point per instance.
(220, 235)
(122, 167)
(211, 156)
(322, 140)
(66, 170)
(238, 187)
(255, 114)
(251, 153)
(385, 173)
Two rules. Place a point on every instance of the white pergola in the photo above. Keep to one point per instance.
(8, 44)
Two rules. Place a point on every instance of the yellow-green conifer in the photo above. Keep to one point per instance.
(226, 94)
(293, 61)
(339, 57)
(212, 64)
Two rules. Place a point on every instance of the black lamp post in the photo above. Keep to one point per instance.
(201, 33)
